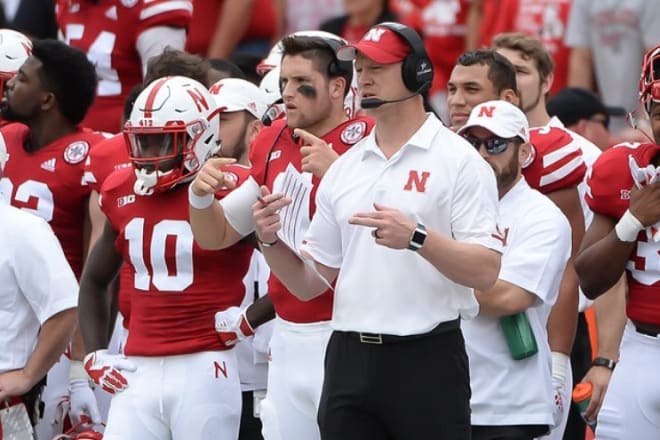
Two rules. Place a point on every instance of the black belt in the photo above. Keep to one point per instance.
(378, 338)
(647, 332)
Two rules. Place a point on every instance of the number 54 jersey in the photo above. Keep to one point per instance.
(108, 31)
(176, 287)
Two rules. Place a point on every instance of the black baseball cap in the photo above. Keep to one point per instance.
(574, 103)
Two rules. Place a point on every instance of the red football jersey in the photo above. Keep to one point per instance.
(608, 193)
(49, 182)
(176, 287)
(546, 20)
(442, 23)
(270, 153)
(105, 157)
(107, 30)
(555, 162)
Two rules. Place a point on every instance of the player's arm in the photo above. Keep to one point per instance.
(608, 245)
(260, 312)
(96, 219)
(562, 323)
(580, 68)
(299, 278)
(610, 322)
(208, 221)
(153, 41)
(473, 24)
(94, 308)
(504, 299)
(233, 22)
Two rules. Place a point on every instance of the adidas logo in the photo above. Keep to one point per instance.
(49, 165)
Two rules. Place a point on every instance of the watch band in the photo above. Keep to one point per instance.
(417, 237)
(604, 362)
(266, 244)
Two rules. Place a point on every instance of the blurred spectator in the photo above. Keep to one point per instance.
(248, 64)
(443, 23)
(303, 15)
(543, 19)
(220, 28)
(119, 37)
(583, 112)
(608, 40)
(360, 16)
(35, 18)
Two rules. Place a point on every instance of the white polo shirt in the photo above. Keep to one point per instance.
(436, 178)
(36, 282)
(506, 391)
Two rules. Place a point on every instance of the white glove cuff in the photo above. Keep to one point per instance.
(560, 365)
(77, 371)
(200, 202)
(628, 227)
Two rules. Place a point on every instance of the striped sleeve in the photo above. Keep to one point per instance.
(174, 13)
(556, 161)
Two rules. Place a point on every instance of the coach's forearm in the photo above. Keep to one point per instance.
(468, 264)
(611, 319)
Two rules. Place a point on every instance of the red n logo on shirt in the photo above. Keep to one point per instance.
(503, 237)
(220, 369)
(415, 180)
(486, 111)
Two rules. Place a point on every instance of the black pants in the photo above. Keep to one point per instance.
(250, 425)
(415, 389)
(518, 432)
(580, 364)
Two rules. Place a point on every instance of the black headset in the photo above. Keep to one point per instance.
(337, 67)
(417, 69)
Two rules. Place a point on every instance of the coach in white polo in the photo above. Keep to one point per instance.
(404, 223)
(38, 300)
(513, 399)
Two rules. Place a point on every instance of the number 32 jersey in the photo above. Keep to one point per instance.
(107, 30)
(49, 183)
(176, 287)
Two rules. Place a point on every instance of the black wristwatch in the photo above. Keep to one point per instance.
(417, 238)
(604, 362)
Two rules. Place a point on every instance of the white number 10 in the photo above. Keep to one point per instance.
(160, 275)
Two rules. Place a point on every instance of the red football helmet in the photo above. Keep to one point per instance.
(649, 83)
(15, 48)
(171, 132)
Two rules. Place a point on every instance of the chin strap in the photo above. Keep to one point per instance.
(145, 183)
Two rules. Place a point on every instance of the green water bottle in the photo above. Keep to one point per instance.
(519, 336)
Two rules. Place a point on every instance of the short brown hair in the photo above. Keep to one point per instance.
(321, 54)
(530, 47)
(174, 62)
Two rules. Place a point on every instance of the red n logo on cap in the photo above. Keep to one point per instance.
(486, 111)
(374, 35)
(415, 180)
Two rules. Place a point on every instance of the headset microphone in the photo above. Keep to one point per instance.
(369, 103)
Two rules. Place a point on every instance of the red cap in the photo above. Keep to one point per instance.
(379, 44)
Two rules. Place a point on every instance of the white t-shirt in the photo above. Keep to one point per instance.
(618, 32)
(506, 391)
(436, 178)
(36, 283)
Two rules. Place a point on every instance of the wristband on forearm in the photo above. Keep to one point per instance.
(200, 202)
(628, 227)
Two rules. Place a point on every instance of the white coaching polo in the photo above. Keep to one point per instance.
(506, 391)
(436, 178)
(36, 282)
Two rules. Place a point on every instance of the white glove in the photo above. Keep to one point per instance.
(105, 370)
(81, 397)
(643, 177)
(232, 326)
(560, 366)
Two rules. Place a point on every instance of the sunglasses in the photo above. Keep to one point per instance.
(493, 144)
